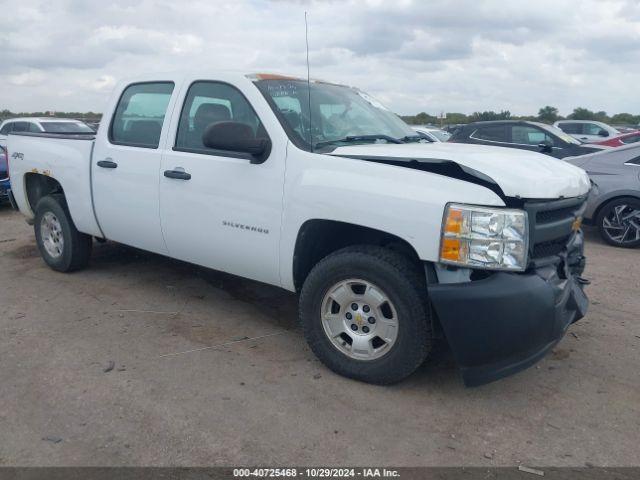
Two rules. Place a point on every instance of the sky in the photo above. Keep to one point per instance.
(414, 56)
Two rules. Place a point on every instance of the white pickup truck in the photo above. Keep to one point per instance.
(317, 188)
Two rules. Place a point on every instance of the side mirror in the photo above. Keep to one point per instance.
(545, 147)
(236, 137)
(603, 133)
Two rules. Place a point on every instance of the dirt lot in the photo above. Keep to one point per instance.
(267, 400)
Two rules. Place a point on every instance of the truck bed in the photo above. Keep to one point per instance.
(65, 158)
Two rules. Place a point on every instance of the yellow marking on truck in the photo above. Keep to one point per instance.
(34, 170)
(577, 223)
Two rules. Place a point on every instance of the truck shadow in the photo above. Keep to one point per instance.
(280, 306)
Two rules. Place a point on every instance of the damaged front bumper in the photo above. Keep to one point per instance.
(506, 322)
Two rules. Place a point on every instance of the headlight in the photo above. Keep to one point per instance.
(479, 237)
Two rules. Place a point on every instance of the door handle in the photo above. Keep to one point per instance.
(177, 174)
(107, 163)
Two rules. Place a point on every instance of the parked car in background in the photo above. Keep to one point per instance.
(432, 134)
(624, 139)
(4, 174)
(626, 128)
(588, 131)
(42, 125)
(614, 201)
(524, 135)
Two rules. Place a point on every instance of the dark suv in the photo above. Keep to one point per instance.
(534, 136)
(4, 173)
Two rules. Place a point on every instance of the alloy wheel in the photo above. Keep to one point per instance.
(359, 319)
(622, 224)
(51, 233)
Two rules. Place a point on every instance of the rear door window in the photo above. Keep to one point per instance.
(571, 128)
(491, 133)
(20, 127)
(66, 127)
(140, 113)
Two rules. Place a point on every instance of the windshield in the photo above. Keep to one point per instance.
(559, 133)
(66, 127)
(339, 114)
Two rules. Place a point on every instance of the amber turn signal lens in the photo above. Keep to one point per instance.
(454, 221)
(451, 249)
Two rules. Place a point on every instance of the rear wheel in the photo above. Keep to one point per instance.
(364, 314)
(61, 245)
(619, 222)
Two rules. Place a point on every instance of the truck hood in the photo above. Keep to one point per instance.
(518, 173)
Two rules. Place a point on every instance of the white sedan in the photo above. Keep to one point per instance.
(42, 125)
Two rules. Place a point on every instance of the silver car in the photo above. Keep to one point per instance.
(614, 201)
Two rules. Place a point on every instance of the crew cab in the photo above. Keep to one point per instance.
(391, 242)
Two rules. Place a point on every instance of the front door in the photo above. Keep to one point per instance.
(126, 167)
(217, 208)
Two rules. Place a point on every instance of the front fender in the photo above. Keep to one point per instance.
(403, 202)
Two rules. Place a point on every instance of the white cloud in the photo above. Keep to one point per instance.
(416, 56)
(29, 78)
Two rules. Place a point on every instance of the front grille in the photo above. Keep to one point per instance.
(551, 225)
(549, 248)
(548, 216)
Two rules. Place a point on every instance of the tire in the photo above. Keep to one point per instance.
(74, 251)
(403, 284)
(611, 226)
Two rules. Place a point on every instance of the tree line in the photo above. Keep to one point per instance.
(547, 114)
(88, 116)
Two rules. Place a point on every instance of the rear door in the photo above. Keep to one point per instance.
(126, 165)
(217, 208)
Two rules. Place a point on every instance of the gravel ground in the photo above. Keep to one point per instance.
(142, 360)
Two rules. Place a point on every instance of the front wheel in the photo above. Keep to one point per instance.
(364, 314)
(61, 245)
(619, 222)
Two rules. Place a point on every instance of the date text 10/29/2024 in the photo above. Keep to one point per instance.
(316, 472)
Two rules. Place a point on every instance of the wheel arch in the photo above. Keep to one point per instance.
(615, 196)
(37, 186)
(318, 238)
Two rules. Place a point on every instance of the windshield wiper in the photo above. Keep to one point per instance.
(359, 138)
